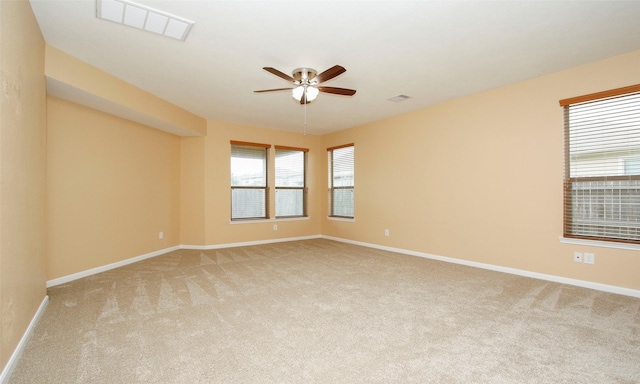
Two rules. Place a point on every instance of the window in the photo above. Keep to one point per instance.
(602, 167)
(249, 187)
(291, 185)
(341, 180)
(632, 166)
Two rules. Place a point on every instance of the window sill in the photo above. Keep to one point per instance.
(604, 244)
(341, 219)
(250, 221)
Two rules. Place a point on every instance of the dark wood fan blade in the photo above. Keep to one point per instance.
(279, 74)
(329, 73)
(273, 90)
(338, 91)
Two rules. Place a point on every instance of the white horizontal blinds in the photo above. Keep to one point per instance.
(602, 166)
(291, 181)
(341, 180)
(249, 186)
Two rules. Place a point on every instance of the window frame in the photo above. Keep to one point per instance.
(569, 181)
(331, 188)
(266, 148)
(304, 188)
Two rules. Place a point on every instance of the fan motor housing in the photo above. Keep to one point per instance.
(303, 75)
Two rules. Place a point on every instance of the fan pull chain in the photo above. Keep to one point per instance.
(305, 111)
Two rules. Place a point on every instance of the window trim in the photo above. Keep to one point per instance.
(341, 146)
(249, 144)
(571, 238)
(600, 95)
(266, 187)
(286, 148)
(304, 188)
(331, 188)
(296, 218)
(600, 243)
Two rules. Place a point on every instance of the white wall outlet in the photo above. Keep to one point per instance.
(589, 258)
(275, 227)
(386, 232)
(577, 257)
(161, 235)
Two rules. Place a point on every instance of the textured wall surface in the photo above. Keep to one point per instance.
(22, 172)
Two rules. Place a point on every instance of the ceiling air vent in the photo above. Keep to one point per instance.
(399, 98)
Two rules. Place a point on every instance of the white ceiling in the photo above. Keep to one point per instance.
(432, 51)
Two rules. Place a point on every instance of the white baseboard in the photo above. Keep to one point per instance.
(513, 271)
(249, 243)
(497, 268)
(93, 271)
(13, 360)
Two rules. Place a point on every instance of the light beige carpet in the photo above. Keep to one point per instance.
(320, 311)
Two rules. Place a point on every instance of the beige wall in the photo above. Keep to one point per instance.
(112, 186)
(192, 193)
(22, 172)
(218, 178)
(480, 178)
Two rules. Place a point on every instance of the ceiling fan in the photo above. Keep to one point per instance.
(306, 83)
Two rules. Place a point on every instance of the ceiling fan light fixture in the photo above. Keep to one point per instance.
(312, 92)
(307, 83)
(297, 92)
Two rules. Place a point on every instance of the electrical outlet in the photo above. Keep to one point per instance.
(275, 227)
(577, 257)
(161, 235)
(386, 232)
(589, 258)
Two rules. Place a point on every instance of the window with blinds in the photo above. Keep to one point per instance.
(249, 187)
(291, 186)
(602, 166)
(341, 180)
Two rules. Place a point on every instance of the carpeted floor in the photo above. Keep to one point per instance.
(319, 311)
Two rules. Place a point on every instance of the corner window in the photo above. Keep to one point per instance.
(291, 185)
(341, 180)
(602, 166)
(249, 187)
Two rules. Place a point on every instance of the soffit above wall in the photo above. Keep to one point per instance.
(68, 92)
(73, 80)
